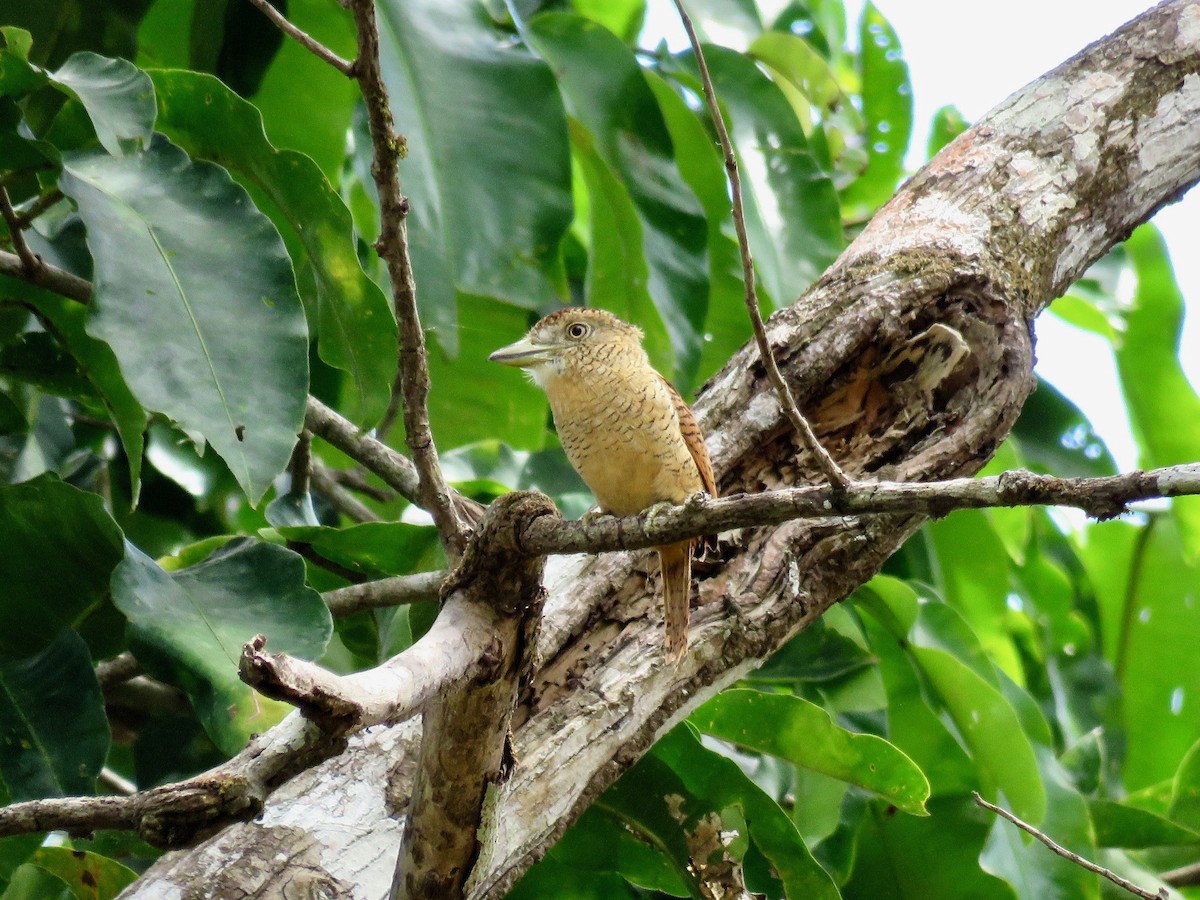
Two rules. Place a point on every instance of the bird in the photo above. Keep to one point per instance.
(624, 428)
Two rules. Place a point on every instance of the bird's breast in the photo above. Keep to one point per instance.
(621, 433)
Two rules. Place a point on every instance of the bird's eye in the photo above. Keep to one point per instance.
(577, 330)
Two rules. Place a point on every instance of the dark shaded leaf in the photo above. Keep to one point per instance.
(60, 545)
(53, 732)
(187, 628)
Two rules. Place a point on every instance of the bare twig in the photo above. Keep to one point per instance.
(44, 275)
(116, 782)
(301, 464)
(394, 468)
(392, 247)
(37, 207)
(384, 593)
(356, 480)
(342, 500)
(1160, 894)
(1184, 876)
(305, 40)
(121, 667)
(29, 259)
(831, 470)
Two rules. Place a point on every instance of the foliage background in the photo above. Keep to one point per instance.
(1046, 662)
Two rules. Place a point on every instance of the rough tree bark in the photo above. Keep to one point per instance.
(912, 357)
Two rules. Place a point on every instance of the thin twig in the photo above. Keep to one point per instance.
(394, 468)
(385, 593)
(121, 667)
(832, 471)
(392, 247)
(305, 40)
(341, 499)
(1184, 876)
(356, 480)
(117, 783)
(301, 464)
(1160, 894)
(29, 259)
(37, 207)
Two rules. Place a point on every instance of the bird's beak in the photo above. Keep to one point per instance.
(523, 354)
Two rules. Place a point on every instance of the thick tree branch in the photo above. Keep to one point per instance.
(392, 247)
(830, 469)
(309, 43)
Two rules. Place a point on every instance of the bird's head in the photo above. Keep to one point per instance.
(574, 337)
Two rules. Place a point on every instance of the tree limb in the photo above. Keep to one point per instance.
(47, 276)
(384, 593)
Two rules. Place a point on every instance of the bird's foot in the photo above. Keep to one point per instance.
(657, 510)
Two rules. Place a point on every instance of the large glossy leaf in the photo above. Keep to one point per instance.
(53, 732)
(373, 548)
(1163, 408)
(487, 171)
(1147, 588)
(727, 326)
(118, 97)
(887, 107)
(355, 328)
(803, 733)
(989, 727)
(607, 95)
(1056, 438)
(1120, 825)
(188, 627)
(502, 404)
(60, 545)
(195, 294)
(933, 857)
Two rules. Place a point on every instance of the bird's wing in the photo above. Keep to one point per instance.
(693, 438)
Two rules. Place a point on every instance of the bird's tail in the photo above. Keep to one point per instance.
(675, 560)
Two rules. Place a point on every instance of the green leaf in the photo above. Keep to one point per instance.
(1119, 825)
(608, 97)
(504, 404)
(17, 76)
(59, 30)
(624, 18)
(948, 123)
(60, 545)
(933, 857)
(803, 733)
(887, 106)
(355, 329)
(1163, 408)
(188, 628)
(456, 85)
(800, 64)
(89, 875)
(225, 357)
(726, 326)
(719, 784)
(118, 97)
(373, 548)
(793, 214)
(1185, 793)
(989, 727)
(54, 735)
